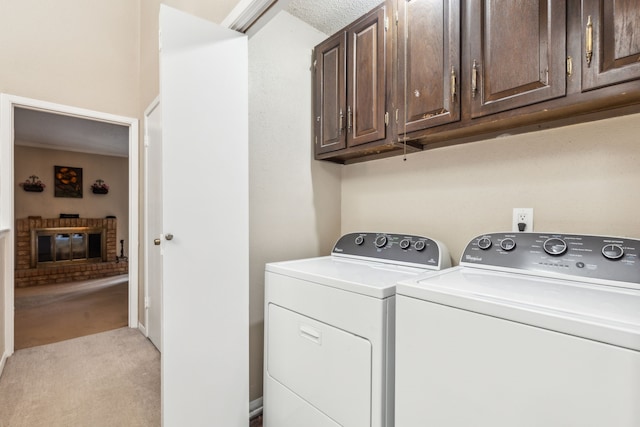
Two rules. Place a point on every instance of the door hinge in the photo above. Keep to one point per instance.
(146, 302)
(146, 140)
(386, 23)
(397, 18)
(386, 118)
(315, 61)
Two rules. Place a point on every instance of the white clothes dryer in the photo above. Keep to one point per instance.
(530, 330)
(329, 330)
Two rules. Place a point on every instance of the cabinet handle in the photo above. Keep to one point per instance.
(474, 79)
(588, 41)
(453, 83)
(341, 120)
(569, 66)
(349, 118)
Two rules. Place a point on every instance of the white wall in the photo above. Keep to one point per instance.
(294, 201)
(579, 179)
(72, 52)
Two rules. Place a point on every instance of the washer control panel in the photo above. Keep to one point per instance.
(595, 257)
(403, 249)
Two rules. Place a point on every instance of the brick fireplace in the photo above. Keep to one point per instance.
(59, 250)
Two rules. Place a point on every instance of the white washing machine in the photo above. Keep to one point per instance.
(530, 330)
(329, 330)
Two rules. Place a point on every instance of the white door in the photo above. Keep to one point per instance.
(203, 92)
(153, 222)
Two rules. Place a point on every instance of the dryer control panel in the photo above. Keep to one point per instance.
(591, 257)
(402, 249)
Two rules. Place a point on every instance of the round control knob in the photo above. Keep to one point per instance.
(405, 243)
(419, 245)
(555, 246)
(484, 243)
(380, 241)
(508, 244)
(359, 240)
(612, 251)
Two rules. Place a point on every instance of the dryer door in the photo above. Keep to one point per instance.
(325, 366)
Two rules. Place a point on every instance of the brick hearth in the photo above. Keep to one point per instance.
(66, 271)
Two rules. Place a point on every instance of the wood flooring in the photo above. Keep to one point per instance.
(48, 314)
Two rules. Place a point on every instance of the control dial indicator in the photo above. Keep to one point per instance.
(359, 240)
(419, 245)
(381, 241)
(612, 251)
(484, 243)
(555, 246)
(508, 244)
(405, 243)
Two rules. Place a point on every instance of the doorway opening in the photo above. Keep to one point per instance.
(40, 139)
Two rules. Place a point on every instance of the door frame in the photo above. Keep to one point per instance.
(146, 234)
(7, 222)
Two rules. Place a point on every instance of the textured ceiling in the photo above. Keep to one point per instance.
(330, 16)
(59, 132)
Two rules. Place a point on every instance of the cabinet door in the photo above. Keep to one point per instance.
(517, 53)
(366, 85)
(611, 42)
(428, 63)
(330, 94)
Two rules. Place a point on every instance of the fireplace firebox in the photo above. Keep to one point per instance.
(67, 244)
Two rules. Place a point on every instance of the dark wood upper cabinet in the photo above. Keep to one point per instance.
(330, 94)
(517, 53)
(366, 73)
(350, 86)
(428, 83)
(455, 71)
(611, 42)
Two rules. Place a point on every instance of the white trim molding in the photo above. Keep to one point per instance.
(7, 105)
(246, 13)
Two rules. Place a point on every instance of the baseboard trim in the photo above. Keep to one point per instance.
(2, 361)
(255, 408)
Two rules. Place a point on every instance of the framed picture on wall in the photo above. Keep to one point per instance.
(67, 181)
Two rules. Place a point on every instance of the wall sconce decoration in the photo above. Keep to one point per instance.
(33, 183)
(99, 187)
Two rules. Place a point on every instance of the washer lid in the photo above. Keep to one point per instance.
(601, 313)
(375, 279)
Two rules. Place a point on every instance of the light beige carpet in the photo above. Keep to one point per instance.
(103, 380)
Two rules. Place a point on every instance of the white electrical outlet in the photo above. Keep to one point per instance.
(522, 216)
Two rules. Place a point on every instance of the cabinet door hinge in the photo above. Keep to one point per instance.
(315, 61)
(397, 18)
(386, 118)
(386, 23)
(397, 115)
